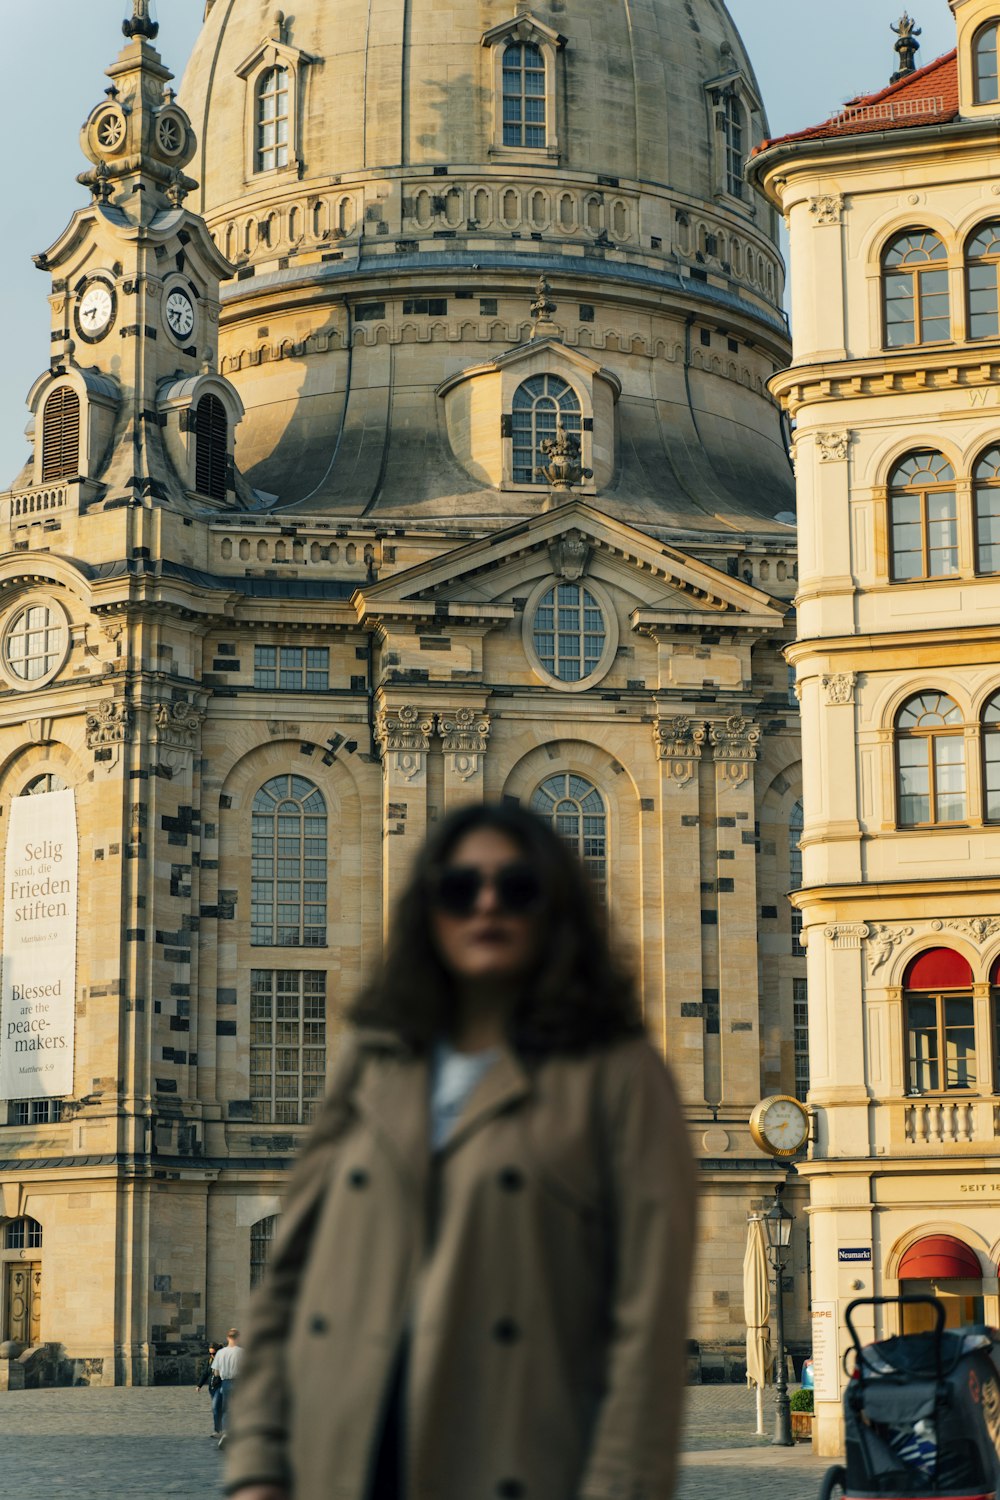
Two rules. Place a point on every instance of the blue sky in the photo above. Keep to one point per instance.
(809, 58)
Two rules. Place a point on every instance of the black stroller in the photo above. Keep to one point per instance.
(921, 1415)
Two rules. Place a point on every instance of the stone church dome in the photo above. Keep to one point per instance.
(393, 183)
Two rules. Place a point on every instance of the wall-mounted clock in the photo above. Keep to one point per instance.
(779, 1125)
(179, 314)
(95, 310)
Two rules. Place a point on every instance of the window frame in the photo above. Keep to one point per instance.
(57, 467)
(266, 890)
(547, 376)
(57, 659)
(600, 881)
(940, 996)
(266, 1108)
(525, 31)
(980, 485)
(921, 492)
(273, 53)
(931, 735)
(282, 669)
(212, 456)
(262, 1234)
(277, 70)
(968, 261)
(611, 624)
(914, 273)
(988, 733)
(991, 25)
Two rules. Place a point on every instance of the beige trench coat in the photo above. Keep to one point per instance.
(540, 1265)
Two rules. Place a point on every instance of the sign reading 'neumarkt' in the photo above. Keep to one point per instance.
(38, 989)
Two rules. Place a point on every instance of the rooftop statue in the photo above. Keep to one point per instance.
(907, 46)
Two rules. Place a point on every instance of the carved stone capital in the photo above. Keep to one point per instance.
(846, 934)
(883, 940)
(464, 738)
(734, 747)
(404, 736)
(176, 724)
(839, 687)
(110, 723)
(833, 446)
(679, 743)
(828, 208)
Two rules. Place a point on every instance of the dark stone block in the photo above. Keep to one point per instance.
(225, 1028)
(727, 884)
(225, 997)
(769, 913)
(710, 919)
(690, 820)
(166, 1085)
(725, 822)
(692, 1008)
(135, 934)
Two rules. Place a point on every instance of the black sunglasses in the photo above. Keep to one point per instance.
(457, 888)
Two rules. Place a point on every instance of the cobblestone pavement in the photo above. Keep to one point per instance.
(152, 1444)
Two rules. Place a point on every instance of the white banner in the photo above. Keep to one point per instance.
(38, 991)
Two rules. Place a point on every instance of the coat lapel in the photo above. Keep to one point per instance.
(392, 1096)
(505, 1084)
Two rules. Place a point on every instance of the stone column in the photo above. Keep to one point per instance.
(685, 1013)
(734, 744)
(403, 732)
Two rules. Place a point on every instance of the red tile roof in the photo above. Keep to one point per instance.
(927, 97)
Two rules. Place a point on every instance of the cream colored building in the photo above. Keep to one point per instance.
(406, 439)
(894, 217)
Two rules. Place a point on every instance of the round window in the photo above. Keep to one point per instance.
(35, 643)
(571, 632)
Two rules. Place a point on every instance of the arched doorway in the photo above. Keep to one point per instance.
(942, 1266)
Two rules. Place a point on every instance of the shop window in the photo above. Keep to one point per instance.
(940, 1023)
(985, 57)
(915, 283)
(261, 1239)
(211, 448)
(982, 261)
(923, 518)
(930, 761)
(288, 865)
(540, 404)
(61, 435)
(287, 1044)
(576, 811)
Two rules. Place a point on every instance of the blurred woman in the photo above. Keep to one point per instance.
(479, 1284)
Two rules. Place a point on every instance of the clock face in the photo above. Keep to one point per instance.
(95, 310)
(180, 314)
(780, 1125)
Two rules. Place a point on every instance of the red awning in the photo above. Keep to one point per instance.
(940, 1257)
(938, 969)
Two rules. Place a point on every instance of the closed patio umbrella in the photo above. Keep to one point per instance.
(757, 1310)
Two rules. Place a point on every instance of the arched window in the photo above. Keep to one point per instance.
(923, 518)
(984, 51)
(288, 877)
(261, 1236)
(982, 260)
(734, 131)
(523, 95)
(61, 435)
(23, 1234)
(569, 632)
(930, 761)
(211, 438)
(47, 782)
(539, 405)
(940, 1022)
(991, 761)
(576, 810)
(986, 498)
(915, 277)
(272, 120)
(796, 823)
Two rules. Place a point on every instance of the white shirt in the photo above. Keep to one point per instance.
(226, 1363)
(454, 1075)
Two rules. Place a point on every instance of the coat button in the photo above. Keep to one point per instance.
(506, 1331)
(318, 1325)
(510, 1489)
(511, 1180)
(358, 1178)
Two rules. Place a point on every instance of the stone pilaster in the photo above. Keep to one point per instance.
(465, 734)
(403, 733)
(685, 1011)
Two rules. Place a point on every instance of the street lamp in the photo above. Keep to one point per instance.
(778, 1228)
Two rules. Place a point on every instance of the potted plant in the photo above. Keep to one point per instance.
(801, 1404)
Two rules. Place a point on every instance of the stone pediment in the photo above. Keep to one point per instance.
(523, 28)
(479, 581)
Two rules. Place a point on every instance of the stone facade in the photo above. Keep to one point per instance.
(905, 1149)
(291, 562)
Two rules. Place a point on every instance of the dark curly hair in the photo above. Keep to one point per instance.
(579, 997)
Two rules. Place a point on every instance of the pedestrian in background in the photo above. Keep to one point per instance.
(208, 1377)
(479, 1284)
(226, 1366)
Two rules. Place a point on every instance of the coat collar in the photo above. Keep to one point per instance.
(395, 1098)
